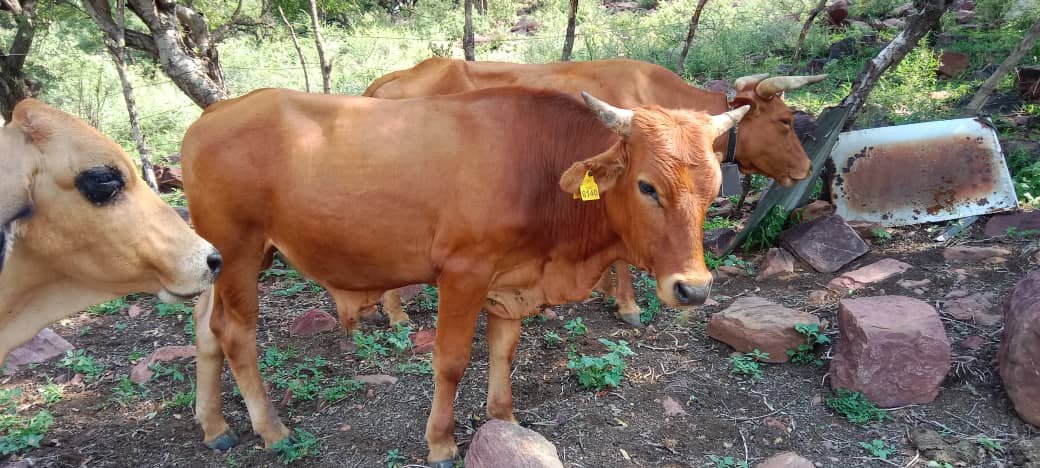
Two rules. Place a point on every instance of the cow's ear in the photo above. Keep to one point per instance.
(606, 168)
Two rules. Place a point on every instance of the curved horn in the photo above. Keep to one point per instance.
(770, 87)
(744, 81)
(725, 121)
(616, 119)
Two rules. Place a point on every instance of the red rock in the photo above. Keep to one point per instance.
(550, 314)
(956, 293)
(1020, 346)
(894, 349)
(1023, 221)
(778, 262)
(717, 240)
(376, 379)
(972, 342)
(964, 253)
(785, 460)
(753, 322)
(952, 64)
(40, 348)
(964, 16)
(133, 311)
(911, 284)
(525, 25)
(894, 23)
(142, 374)
(821, 297)
(874, 273)
(671, 407)
(826, 243)
(500, 444)
(837, 12)
(732, 271)
(312, 322)
(814, 210)
(410, 291)
(718, 86)
(168, 177)
(479, 39)
(975, 307)
(774, 423)
(423, 341)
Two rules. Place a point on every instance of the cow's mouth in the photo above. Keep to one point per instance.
(171, 297)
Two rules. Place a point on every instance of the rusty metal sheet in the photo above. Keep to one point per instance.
(924, 172)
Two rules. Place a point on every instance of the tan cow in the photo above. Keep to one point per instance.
(364, 195)
(79, 227)
(766, 143)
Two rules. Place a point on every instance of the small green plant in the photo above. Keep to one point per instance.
(161, 370)
(427, 298)
(805, 353)
(878, 448)
(855, 407)
(576, 327)
(301, 445)
(394, 459)
(174, 198)
(718, 222)
(992, 446)
(343, 388)
(368, 345)
(135, 355)
(85, 330)
(82, 363)
(112, 307)
(398, 339)
(294, 288)
(52, 392)
(181, 400)
(551, 339)
(421, 367)
(1015, 233)
(597, 373)
(727, 462)
(189, 328)
(126, 391)
(765, 234)
(881, 235)
(653, 304)
(279, 269)
(747, 363)
(937, 464)
(17, 433)
(713, 262)
(163, 309)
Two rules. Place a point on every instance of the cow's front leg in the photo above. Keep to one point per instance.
(625, 296)
(462, 294)
(503, 336)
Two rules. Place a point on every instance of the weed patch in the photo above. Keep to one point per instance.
(597, 373)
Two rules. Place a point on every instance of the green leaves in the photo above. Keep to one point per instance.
(599, 372)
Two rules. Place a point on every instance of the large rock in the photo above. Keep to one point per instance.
(45, 345)
(952, 64)
(843, 48)
(894, 349)
(785, 460)
(499, 444)
(892, 23)
(312, 322)
(1019, 366)
(874, 273)
(717, 240)
(975, 307)
(168, 177)
(752, 322)
(998, 225)
(141, 372)
(778, 262)
(837, 12)
(826, 243)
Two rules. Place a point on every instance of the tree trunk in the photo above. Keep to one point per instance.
(14, 85)
(1005, 67)
(572, 23)
(467, 33)
(326, 68)
(805, 32)
(694, 20)
(299, 51)
(118, 52)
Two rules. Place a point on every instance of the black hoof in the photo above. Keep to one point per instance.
(224, 442)
(631, 319)
(443, 464)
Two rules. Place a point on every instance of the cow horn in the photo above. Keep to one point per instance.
(743, 81)
(770, 87)
(618, 120)
(725, 121)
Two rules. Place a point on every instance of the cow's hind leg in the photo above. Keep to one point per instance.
(625, 296)
(503, 335)
(209, 364)
(393, 308)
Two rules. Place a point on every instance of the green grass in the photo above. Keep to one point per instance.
(301, 445)
(82, 363)
(112, 307)
(765, 234)
(747, 364)
(126, 391)
(342, 388)
(855, 407)
(878, 448)
(599, 372)
(19, 432)
(181, 401)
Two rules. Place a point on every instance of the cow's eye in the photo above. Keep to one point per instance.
(100, 184)
(646, 189)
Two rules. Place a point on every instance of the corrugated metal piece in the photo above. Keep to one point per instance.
(918, 173)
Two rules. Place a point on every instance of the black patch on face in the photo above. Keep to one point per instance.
(100, 184)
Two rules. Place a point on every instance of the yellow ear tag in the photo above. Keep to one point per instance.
(589, 189)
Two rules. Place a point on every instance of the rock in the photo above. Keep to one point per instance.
(785, 460)
(940, 95)
(753, 322)
(525, 25)
(722, 207)
(837, 12)
(423, 341)
(933, 447)
(861, 25)
(956, 293)
(24, 463)
(843, 48)
(312, 322)
(623, 6)
(964, 16)
(821, 297)
(142, 374)
(40, 348)
(1019, 368)
(815, 67)
(902, 10)
(894, 349)
(826, 243)
(133, 311)
(730, 271)
(804, 125)
(671, 407)
(410, 291)
(999, 224)
(168, 177)
(952, 64)
(778, 262)
(945, 39)
(1026, 453)
(376, 379)
(893, 23)
(479, 39)
(717, 240)
(965, 253)
(718, 86)
(972, 342)
(911, 284)
(1028, 83)
(975, 307)
(502, 444)
(815, 210)
(874, 273)
(867, 229)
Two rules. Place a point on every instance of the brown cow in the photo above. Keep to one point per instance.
(766, 143)
(364, 195)
(79, 227)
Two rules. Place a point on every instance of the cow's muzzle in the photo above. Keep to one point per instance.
(689, 295)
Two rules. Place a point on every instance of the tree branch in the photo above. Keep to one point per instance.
(99, 11)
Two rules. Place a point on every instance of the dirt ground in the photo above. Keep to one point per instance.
(725, 414)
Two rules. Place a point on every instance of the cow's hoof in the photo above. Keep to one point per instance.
(443, 464)
(631, 319)
(224, 442)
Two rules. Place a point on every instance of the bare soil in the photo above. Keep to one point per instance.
(725, 414)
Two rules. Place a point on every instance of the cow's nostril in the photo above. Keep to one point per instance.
(689, 295)
(215, 263)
